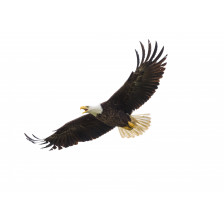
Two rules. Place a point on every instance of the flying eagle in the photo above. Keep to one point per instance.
(117, 110)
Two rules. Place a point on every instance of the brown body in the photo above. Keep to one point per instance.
(112, 116)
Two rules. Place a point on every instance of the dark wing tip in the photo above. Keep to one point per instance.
(143, 53)
(46, 143)
(162, 60)
(36, 140)
(149, 51)
(154, 52)
(159, 55)
(137, 55)
(150, 58)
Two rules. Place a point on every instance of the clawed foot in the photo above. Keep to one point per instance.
(130, 126)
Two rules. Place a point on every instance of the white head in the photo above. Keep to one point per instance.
(94, 110)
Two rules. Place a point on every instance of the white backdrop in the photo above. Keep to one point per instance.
(56, 56)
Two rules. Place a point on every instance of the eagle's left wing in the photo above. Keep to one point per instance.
(142, 83)
(82, 129)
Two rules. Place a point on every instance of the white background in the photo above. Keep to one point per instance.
(56, 56)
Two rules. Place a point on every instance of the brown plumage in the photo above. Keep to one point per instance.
(82, 129)
(116, 111)
(142, 83)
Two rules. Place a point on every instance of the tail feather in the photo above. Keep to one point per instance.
(141, 122)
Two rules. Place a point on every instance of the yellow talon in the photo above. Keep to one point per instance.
(131, 125)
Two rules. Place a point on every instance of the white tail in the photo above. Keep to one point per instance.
(141, 122)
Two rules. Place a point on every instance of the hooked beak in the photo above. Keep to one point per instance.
(84, 108)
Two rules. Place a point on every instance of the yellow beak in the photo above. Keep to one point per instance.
(84, 108)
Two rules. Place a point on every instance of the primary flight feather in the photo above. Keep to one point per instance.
(115, 112)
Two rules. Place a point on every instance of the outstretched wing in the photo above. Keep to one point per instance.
(142, 83)
(82, 129)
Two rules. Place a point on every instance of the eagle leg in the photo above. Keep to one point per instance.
(130, 124)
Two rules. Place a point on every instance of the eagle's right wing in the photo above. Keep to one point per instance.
(82, 129)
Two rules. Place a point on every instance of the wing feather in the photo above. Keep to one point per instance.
(82, 129)
(154, 52)
(159, 55)
(149, 51)
(143, 53)
(137, 55)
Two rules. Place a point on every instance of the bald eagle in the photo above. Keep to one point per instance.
(117, 110)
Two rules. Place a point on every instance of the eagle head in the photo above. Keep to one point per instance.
(94, 110)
